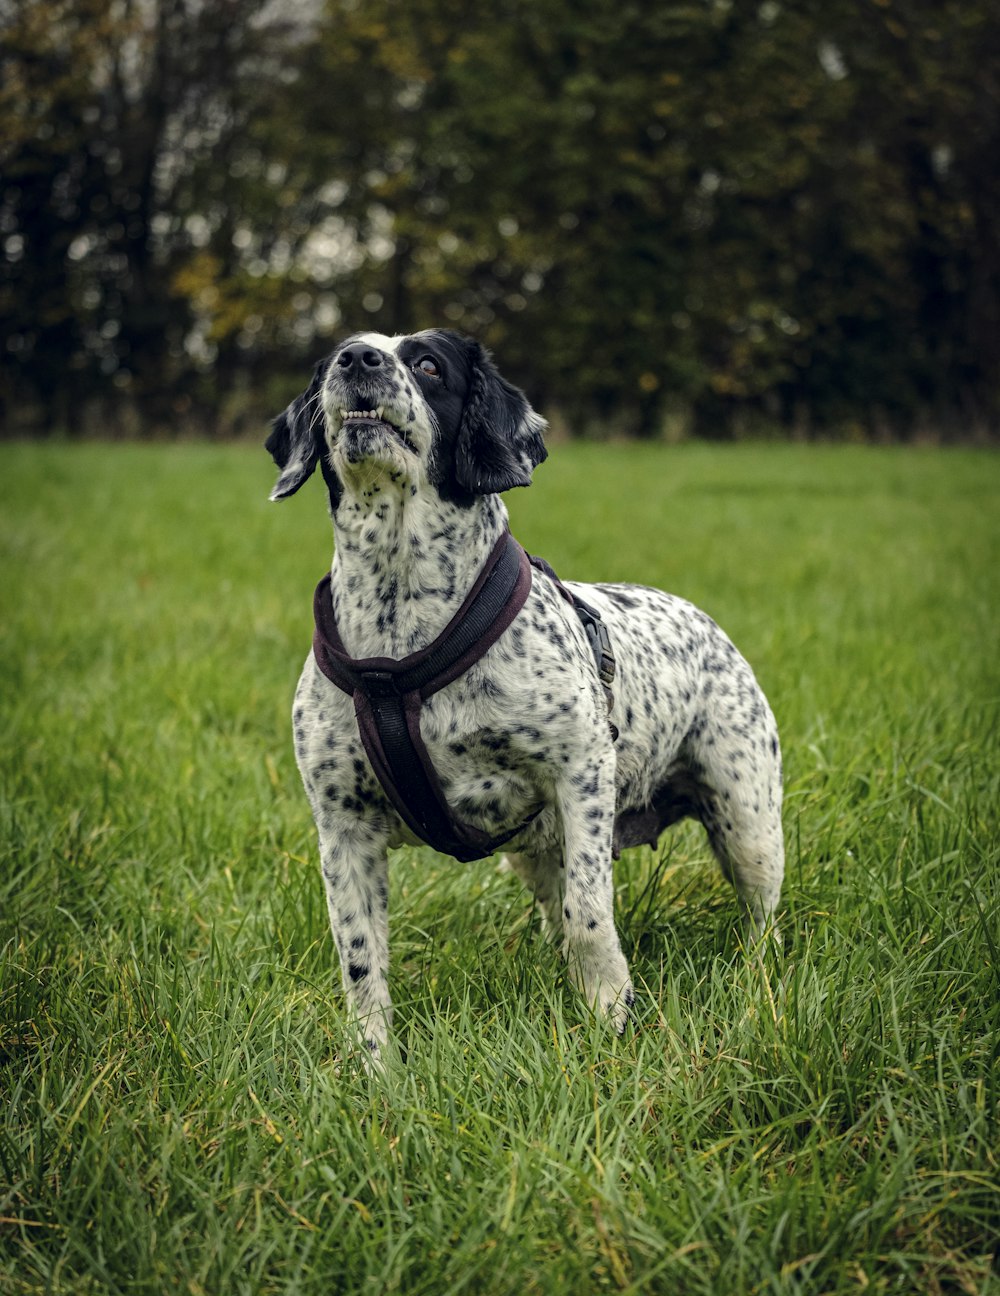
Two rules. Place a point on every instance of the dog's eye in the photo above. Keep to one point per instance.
(428, 366)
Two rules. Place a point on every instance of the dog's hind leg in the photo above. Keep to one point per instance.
(542, 875)
(751, 854)
(586, 800)
(741, 811)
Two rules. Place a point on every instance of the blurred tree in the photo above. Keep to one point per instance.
(120, 123)
(781, 208)
(47, 107)
(779, 211)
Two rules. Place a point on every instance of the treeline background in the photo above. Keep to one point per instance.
(714, 218)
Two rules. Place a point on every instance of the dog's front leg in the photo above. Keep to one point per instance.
(591, 945)
(356, 874)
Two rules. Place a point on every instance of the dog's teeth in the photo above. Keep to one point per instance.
(378, 412)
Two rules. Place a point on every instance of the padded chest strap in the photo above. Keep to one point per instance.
(388, 693)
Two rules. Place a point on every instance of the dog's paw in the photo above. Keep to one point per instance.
(760, 931)
(610, 997)
(601, 974)
(618, 1007)
(372, 1050)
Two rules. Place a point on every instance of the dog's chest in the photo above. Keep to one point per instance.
(401, 570)
(498, 736)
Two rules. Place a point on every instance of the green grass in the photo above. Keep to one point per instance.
(173, 1115)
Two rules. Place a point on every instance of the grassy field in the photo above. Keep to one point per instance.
(173, 1115)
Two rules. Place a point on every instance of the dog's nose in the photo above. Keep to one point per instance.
(360, 358)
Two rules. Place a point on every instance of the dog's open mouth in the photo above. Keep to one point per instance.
(372, 421)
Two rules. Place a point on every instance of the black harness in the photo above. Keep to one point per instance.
(388, 692)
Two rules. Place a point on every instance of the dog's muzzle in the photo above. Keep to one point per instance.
(365, 434)
(359, 389)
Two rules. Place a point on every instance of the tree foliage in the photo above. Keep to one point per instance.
(709, 211)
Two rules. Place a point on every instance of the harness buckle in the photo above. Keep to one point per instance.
(600, 643)
(379, 684)
(603, 652)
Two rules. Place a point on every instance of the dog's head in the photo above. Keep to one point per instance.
(426, 408)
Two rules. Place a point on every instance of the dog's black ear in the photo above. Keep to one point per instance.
(499, 440)
(296, 438)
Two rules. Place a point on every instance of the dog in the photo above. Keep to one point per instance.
(417, 437)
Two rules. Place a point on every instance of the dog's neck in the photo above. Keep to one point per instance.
(403, 563)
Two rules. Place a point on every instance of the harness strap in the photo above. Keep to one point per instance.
(597, 636)
(388, 692)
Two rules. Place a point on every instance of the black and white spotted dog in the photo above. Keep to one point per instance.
(416, 437)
